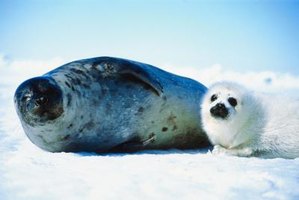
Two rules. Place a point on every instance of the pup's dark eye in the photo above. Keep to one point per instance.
(213, 97)
(232, 101)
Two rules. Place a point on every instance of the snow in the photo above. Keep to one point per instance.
(27, 172)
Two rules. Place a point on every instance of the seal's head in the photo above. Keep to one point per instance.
(39, 101)
(223, 101)
(226, 109)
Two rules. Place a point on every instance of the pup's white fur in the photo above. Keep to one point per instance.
(259, 125)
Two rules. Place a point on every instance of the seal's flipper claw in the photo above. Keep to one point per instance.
(135, 144)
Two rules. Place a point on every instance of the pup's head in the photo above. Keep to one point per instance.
(225, 102)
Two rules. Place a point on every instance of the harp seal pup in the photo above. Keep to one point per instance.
(108, 104)
(241, 122)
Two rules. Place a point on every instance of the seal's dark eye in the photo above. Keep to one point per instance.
(213, 97)
(232, 101)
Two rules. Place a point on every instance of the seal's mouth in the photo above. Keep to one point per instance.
(219, 111)
(39, 100)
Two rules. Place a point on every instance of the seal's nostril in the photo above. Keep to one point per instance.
(219, 110)
(220, 106)
(41, 101)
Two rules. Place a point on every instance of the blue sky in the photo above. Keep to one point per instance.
(240, 35)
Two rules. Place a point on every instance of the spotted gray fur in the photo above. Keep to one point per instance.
(112, 104)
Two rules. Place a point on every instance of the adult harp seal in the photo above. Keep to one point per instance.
(108, 104)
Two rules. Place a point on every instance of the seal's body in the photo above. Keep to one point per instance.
(245, 123)
(110, 104)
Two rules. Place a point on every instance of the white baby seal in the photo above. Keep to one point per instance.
(241, 122)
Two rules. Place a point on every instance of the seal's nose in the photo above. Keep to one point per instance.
(39, 99)
(219, 110)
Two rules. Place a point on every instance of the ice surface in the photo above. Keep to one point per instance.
(27, 172)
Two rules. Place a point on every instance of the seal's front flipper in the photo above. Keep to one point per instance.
(128, 69)
(137, 71)
(135, 144)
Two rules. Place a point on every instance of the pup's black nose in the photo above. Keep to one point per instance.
(219, 111)
(39, 99)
